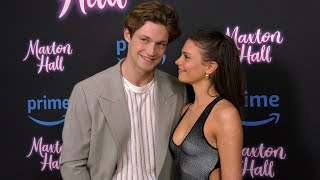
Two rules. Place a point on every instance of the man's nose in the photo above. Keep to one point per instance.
(151, 49)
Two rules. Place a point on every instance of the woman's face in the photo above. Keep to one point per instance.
(191, 67)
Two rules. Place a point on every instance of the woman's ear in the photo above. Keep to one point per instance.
(212, 67)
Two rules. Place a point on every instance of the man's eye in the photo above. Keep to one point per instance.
(161, 46)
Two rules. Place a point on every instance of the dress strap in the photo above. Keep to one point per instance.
(185, 111)
(208, 109)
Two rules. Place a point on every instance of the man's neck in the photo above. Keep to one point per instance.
(135, 76)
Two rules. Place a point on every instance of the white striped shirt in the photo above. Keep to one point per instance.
(138, 160)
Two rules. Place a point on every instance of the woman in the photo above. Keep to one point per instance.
(207, 142)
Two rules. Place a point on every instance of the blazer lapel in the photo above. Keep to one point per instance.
(115, 109)
(165, 111)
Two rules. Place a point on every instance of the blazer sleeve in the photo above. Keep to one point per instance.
(76, 137)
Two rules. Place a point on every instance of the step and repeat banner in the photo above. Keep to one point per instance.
(50, 45)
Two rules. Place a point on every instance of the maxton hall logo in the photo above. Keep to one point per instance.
(84, 5)
(248, 42)
(49, 153)
(49, 57)
(260, 160)
(38, 110)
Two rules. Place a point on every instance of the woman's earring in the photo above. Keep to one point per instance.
(207, 76)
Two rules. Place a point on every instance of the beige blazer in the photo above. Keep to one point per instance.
(97, 125)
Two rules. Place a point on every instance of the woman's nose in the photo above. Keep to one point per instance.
(177, 62)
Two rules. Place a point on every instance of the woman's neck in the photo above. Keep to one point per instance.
(204, 93)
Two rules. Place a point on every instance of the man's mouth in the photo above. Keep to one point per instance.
(147, 58)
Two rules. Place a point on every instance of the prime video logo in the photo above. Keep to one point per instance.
(262, 101)
(122, 48)
(46, 104)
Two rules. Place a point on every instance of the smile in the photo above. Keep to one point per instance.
(147, 58)
(180, 70)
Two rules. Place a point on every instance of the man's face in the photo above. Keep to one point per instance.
(146, 46)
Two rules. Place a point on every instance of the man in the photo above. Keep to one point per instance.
(119, 121)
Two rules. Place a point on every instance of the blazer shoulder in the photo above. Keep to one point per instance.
(105, 75)
(172, 80)
(98, 81)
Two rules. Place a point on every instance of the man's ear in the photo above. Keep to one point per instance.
(212, 67)
(126, 35)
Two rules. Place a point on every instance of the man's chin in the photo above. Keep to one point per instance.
(147, 67)
(150, 65)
